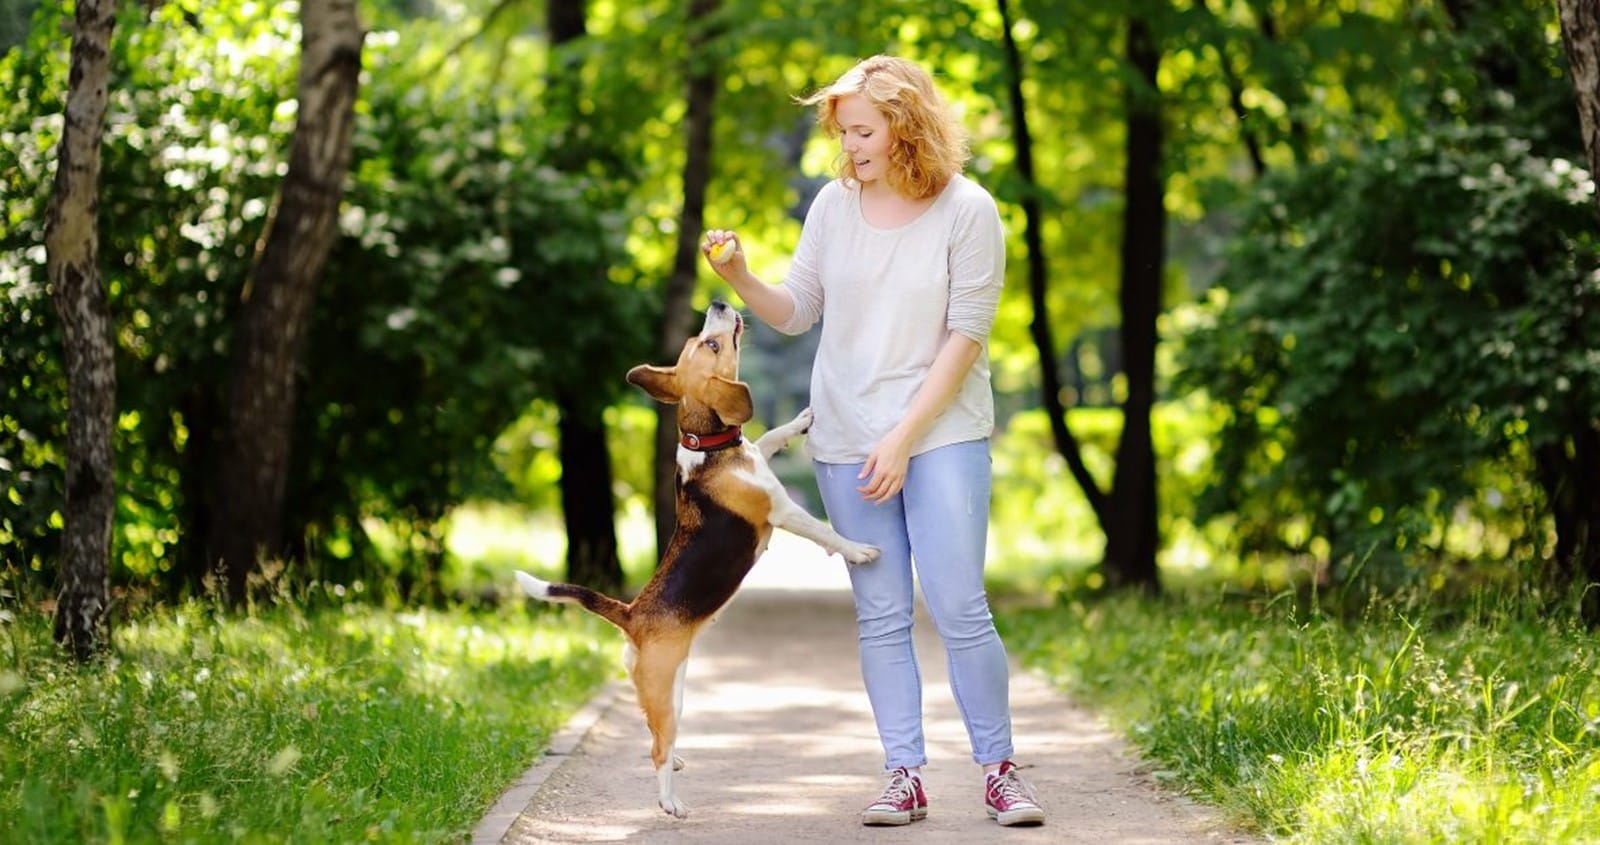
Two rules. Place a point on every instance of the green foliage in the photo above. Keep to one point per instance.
(470, 278)
(510, 206)
(335, 724)
(1395, 333)
(32, 396)
(1038, 517)
(525, 454)
(189, 168)
(475, 272)
(1043, 534)
(1408, 723)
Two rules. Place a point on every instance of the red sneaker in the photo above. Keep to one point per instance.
(1009, 799)
(902, 802)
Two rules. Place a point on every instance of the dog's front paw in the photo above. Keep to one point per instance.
(673, 807)
(859, 553)
(797, 426)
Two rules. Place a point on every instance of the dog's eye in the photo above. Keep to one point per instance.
(713, 346)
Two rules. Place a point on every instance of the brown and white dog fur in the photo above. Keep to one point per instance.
(728, 502)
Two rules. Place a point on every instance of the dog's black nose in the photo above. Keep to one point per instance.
(718, 305)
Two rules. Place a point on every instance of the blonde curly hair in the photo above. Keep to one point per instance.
(927, 145)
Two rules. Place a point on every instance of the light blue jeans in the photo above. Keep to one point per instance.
(939, 522)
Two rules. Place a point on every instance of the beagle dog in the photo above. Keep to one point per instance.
(728, 502)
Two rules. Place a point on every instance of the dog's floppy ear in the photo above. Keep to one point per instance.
(730, 399)
(660, 382)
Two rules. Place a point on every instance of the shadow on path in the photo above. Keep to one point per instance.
(780, 746)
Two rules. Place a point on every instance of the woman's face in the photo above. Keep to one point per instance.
(865, 138)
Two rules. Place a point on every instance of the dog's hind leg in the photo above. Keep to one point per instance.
(656, 678)
(630, 659)
(677, 706)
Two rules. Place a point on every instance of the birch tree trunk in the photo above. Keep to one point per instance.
(1580, 33)
(72, 233)
(273, 319)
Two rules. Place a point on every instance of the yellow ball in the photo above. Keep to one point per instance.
(721, 253)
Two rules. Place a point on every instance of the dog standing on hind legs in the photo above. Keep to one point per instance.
(728, 502)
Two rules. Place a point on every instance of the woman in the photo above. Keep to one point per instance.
(902, 259)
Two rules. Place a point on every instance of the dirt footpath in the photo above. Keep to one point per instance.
(780, 747)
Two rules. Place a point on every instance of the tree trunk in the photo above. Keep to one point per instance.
(200, 408)
(677, 320)
(1580, 33)
(72, 234)
(587, 507)
(1131, 535)
(586, 501)
(276, 309)
(566, 21)
(1584, 562)
(1292, 91)
(1569, 475)
(1038, 278)
(1236, 85)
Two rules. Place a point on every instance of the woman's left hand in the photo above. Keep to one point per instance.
(885, 469)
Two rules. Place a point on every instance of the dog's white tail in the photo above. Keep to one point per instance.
(612, 610)
(536, 587)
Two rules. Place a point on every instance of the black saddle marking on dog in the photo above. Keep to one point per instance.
(712, 560)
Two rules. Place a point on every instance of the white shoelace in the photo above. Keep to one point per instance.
(898, 790)
(1011, 787)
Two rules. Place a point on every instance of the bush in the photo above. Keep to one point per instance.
(1402, 344)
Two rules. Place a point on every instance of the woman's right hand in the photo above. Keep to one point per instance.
(771, 303)
(732, 263)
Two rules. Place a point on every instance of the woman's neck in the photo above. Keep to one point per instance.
(886, 208)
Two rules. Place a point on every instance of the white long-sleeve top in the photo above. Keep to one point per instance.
(888, 299)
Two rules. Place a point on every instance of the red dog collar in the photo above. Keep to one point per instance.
(711, 442)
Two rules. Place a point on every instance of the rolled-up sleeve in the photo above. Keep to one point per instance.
(977, 270)
(803, 281)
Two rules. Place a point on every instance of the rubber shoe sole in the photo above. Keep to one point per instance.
(892, 818)
(1020, 817)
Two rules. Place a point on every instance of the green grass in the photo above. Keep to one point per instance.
(1411, 723)
(343, 724)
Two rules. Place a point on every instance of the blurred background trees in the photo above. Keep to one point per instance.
(1297, 288)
